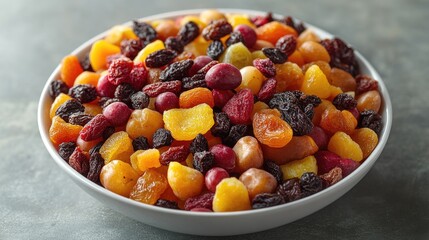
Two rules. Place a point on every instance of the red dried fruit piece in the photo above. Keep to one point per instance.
(365, 83)
(119, 70)
(267, 90)
(262, 20)
(138, 76)
(332, 177)
(154, 89)
(239, 108)
(79, 162)
(201, 201)
(94, 128)
(348, 166)
(265, 66)
(326, 161)
(221, 97)
(174, 154)
(287, 44)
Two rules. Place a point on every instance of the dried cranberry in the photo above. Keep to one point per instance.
(57, 87)
(140, 143)
(174, 154)
(215, 49)
(267, 90)
(114, 57)
(124, 91)
(130, 48)
(264, 200)
(275, 55)
(106, 101)
(144, 31)
(217, 29)
(94, 128)
(174, 44)
(166, 204)
(68, 108)
(199, 144)
(234, 37)
(162, 137)
(290, 190)
(344, 101)
(119, 70)
(160, 58)
(201, 201)
(96, 162)
(138, 76)
(79, 162)
(79, 118)
(274, 170)
(371, 119)
(66, 149)
(236, 132)
(188, 32)
(262, 20)
(139, 100)
(265, 66)
(86, 64)
(365, 83)
(84, 93)
(287, 44)
(222, 125)
(154, 89)
(310, 184)
(239, 108)
(221, 97)
(176, 70)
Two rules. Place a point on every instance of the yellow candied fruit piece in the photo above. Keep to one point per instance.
(367, 140)
(150, 48)
(87, 77)
(231, 195)
(117, 147)
(59, 100)
(190, 160)
(252, 79)
(296, 168)
(149, 187)
(145, 159)
(99, 52)
(238, 55)
(289, 77)
(186, 182)
(92, 109)
(258, 54)
(144, 123)
(198, 46)
(344, 146)
(118, 33)
(238, 19)
(186, 124)
(316, 83)
(118, 177)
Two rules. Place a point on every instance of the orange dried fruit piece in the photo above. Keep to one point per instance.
(196, 96)
(270, 129)
(87, 77)
(342, 79)
(316, 83)
(298, 148)
(274, 30)
(186, 124)
(142, 160)
(92, 109)
(59, 100)
(307, 35)
(334, 120)
(296, 58)
(149, 187)
(61, 131)
(257, 107)
(144, 122)
(118, 33)
(370, 100)
(118, 177)
(324, 66)
(99, 52)
(117, 147)
(231, 195)
(186, 182)
(344, 146)
(296, 168)
(289, 76)
(70, 69)
(367, 140)
(319, 110)
(314, 51)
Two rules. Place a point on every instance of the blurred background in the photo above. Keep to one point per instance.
(38, 201)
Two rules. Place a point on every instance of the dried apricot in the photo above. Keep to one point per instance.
(99, 52)
(270, 129)
(70, 69)
(149, 187)
(196, 96)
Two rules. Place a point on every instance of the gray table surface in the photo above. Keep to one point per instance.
(38, 201)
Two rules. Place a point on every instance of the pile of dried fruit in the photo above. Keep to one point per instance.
(216, 112)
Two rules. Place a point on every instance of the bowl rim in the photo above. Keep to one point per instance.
(43, 120)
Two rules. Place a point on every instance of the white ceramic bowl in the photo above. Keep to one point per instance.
(213, 224)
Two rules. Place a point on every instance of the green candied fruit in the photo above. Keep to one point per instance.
(237, 55)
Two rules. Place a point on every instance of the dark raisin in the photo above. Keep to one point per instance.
(106, 101)
(160, 58)
(265, 66)
(203, 161)
(139, 100)
(154, 89)
(119, 70)
(222, 125)
(234, 38)
(217, 29)
(84, 93)
(371, 119)
(68, 108)
(96, 148)
(130, 48)
(166, 204)
(344, 101)
(262, 20)
(287, 44)
(162, 137)
(86, 64)
(144, 31)
(94, 128)
(267, 90)
(66, 149)
(300, 123)
(332, 177)
(174, 44)
(123, 92)
(108, 132)
(215, 49)
(342, 56)
(140, 143)
(202, 201)
(365, 83)
(299, 27)
(198, 80)
(56, 87)
(275, 55)
(236, 132)
(207, 67)
(199, 144)
(309, 111)
(96, 162)
(264, 200)
(174, 154)
(290, 190)
(274, 170)
(80, 119)
(305, 100)
(310, 184)
(79, 162)
(188, 32)
(176, 70)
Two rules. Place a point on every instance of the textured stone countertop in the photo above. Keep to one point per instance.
(39, 201)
